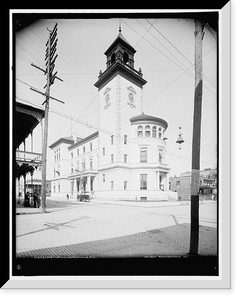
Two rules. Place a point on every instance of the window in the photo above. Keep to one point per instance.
(160, 133)
(125, 158)
(59, 187)
(103, 177)
(91, 164)
(143, 155)
(71, 168)
(125, 57)
(54, 188)
(147, 131)
(71, 154)
(78, 152)
(154, 131)
(58, 171)
(90, 146)
(111, 158)
(112, 58)
(84, 150)
(160, 155)
(177, 182)
(143, 181)
(111, 185)
(83, 165)
(54, 171)
(140, 131)
(111, 139)
(57, 154)
(103, 151)
(77, 166)
(125, 185)
(125, 139)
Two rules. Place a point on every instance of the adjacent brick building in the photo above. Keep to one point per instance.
(207, 184)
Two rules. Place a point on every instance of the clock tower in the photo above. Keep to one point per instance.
(131, 144)
(120, 89)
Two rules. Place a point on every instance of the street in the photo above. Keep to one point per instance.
(78, 229)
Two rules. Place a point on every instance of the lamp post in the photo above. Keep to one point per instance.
(180, 139)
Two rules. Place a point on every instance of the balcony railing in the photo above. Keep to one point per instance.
(28, 157)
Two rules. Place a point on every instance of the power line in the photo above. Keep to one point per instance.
(178, 52)
(147, 30)
(185, 71)
(173, 82)
(107, 131)
(89, 44)
(83, 112)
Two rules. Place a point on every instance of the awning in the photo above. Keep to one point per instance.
(26, 118)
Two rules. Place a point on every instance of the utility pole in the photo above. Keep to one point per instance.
(50, 58)
(194, 230)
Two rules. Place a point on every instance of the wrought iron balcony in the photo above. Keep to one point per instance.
(25, 157)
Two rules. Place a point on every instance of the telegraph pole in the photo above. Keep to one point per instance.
(194, 230)
(45, 138)
(50, 58)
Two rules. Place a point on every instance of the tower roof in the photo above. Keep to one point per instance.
(120, 39)
(120, 60)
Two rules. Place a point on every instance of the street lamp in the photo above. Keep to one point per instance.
(180, 139)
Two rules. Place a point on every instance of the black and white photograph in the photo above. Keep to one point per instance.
(116, 168)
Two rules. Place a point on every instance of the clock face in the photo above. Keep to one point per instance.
(131, 97)
(107, 101)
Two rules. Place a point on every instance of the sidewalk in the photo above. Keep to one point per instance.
(148, 203)
(20, 210)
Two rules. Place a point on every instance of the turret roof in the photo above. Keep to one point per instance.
(143, 118)
(120, 39)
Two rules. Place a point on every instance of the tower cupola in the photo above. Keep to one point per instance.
(120, 59)
(120, 50)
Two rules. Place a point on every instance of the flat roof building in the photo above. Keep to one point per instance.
(125, 159)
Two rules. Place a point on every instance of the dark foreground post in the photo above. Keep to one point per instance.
(194, 233)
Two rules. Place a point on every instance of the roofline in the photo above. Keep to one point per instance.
(121, 40)
(119, 68)
(85, 140)
(61, 140)
(30, 110)
(144, 118)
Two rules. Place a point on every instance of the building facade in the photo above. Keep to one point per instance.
(207, 184)
(125, 158)
(27, 161)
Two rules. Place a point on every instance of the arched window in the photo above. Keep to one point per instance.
(147, 131)
(154, 131)
(140, 131)
(125, 57)
(112, 58)
(160, 133)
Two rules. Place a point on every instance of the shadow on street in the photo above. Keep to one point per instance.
(163, 244)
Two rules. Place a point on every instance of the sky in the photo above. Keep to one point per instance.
(165, 53)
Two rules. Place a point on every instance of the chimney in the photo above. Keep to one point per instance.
(74, 135)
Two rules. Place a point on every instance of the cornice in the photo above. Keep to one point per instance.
(122, 69)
